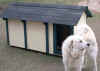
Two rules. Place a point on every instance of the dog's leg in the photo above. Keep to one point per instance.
(83, 62)
(93, 56)
(94, 63)
(79, 68)
(66, 67)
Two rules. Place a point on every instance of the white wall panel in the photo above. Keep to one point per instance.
(16, 33)
(36, 36)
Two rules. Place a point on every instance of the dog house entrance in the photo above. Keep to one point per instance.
(62, 32)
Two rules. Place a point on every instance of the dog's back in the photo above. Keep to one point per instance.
(87, 33)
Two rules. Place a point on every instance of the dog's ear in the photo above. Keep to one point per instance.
(71, 44)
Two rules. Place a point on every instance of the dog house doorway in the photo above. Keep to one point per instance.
(61, 33)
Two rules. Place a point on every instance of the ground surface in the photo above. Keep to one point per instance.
(14, 59)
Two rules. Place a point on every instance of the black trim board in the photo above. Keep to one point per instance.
(25, 33)
(7, 30)
(47, 38)
(54, 39)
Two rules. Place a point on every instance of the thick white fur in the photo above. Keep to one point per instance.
(87, 34)
(73, 51)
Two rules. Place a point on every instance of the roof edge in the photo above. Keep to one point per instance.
(87, 11)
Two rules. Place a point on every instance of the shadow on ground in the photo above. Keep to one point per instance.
(13, 59)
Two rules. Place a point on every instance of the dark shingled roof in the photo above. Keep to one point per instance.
(53, 13)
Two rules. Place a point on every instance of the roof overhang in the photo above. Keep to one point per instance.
(53, 13)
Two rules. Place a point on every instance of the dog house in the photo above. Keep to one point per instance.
(42, 27)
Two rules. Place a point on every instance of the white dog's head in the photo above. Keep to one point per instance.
(77, 46)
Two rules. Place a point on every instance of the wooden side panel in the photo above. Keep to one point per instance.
(16, 33)
(80, 22)
(51, 38)
(36, 36)
(82, 19)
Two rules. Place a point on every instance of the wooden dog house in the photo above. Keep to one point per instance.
(42, 27)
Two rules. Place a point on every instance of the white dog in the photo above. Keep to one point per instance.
(73, 51)
(87, 34)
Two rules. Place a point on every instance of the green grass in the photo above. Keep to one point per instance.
(6, 1)
(42, 1)
(52, 1)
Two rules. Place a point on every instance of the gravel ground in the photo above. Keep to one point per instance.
(13, 59)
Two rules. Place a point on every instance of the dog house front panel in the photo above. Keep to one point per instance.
(36, 37)
(16, 33)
